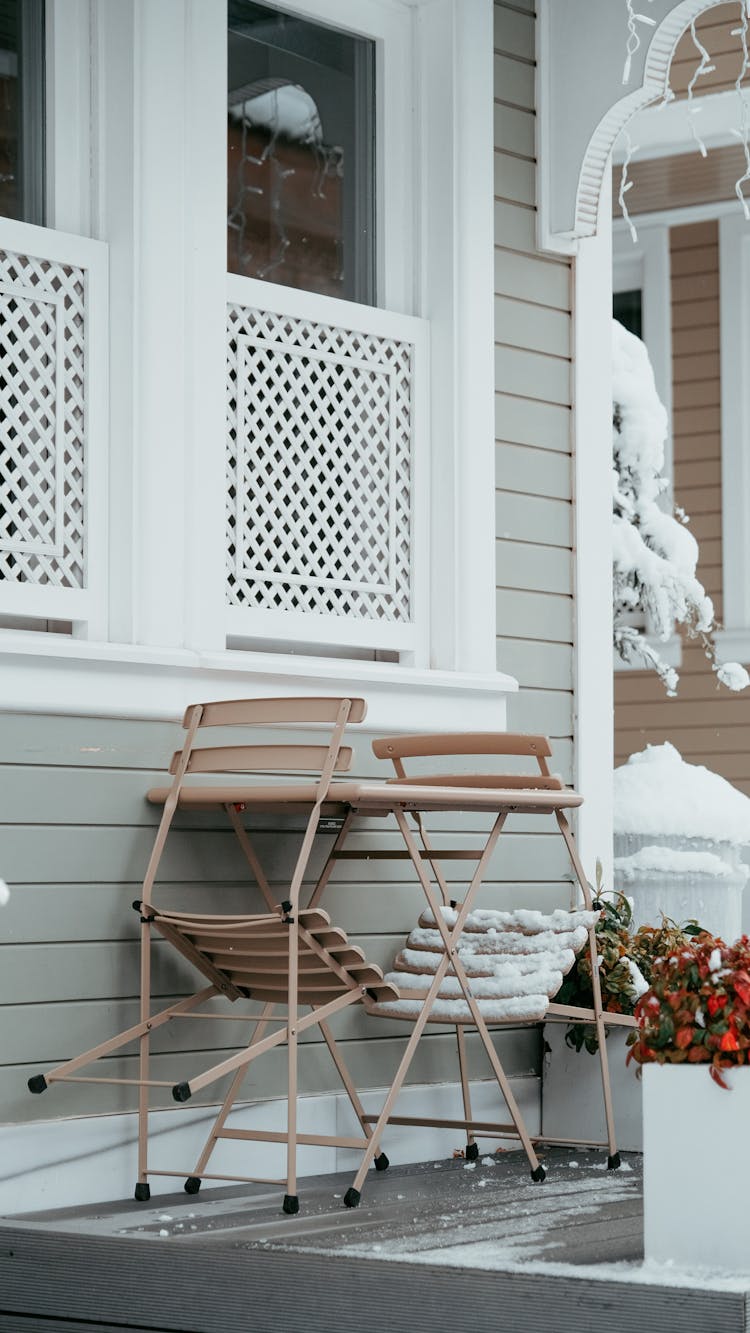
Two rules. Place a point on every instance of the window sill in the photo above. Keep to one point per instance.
(47, 673)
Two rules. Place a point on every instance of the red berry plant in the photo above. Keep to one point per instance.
(697, 1010)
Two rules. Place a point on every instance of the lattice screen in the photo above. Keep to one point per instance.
(42, 437)
(319, 468)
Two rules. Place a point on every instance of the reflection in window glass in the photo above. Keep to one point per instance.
(300, 153)
(22, 110)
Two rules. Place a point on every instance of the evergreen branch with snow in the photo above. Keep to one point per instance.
(655, 555)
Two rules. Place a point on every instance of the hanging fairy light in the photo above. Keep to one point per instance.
(633, 40)
(743, 133)
(705, 67)
(630, 150)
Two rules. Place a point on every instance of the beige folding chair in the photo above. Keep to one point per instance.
(471, 967)
(284, 956)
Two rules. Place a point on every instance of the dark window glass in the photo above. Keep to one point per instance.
(301, 116)
(627, 308)
(22, 110)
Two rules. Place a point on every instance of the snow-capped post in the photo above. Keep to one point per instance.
(655, 555)
(680, 831)
(4, 893)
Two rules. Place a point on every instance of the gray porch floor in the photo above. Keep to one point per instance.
(444, 1245)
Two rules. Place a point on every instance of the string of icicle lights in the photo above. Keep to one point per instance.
(633, 43)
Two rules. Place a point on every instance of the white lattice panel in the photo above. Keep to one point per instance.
(320, 468)
(42, 410)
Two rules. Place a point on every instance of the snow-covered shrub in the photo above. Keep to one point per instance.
(655, 556)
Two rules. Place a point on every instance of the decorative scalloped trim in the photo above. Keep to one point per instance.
(655, 84)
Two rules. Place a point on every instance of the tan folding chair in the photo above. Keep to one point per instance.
(457, 966)
(284, 956)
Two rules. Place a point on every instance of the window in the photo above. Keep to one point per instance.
(300, 141)
(627, 308)
(22, 110)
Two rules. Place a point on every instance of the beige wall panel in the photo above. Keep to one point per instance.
(534, 327)
(520, 516)
(682, 180)
(515, 226)
(540, 425)
(541, 281)
(541, 665)
(703, 366)
(715, 29)
(514, 82)
(694, 342)
(514, 129)
(706, 474)
(521, 565)
(515, 178)
(532, 375)
(537, 615)
(534, 471)
(514, 32)
(692, 260)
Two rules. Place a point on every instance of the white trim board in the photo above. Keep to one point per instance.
(92, 1159)
(45, 673)
(734, 315)
(664, 131)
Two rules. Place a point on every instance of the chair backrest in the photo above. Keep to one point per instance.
(322, 759)
(462, 743)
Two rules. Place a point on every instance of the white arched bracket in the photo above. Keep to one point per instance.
(582, 104)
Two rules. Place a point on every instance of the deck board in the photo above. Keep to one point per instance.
(433, 1246)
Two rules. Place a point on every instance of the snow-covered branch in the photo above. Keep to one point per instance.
(655, 555)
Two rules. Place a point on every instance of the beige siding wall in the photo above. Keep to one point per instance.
(532, 415)
(714, 30)
(707, 723)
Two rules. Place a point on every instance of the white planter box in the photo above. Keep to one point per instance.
(696, 1167)
(572, 1103)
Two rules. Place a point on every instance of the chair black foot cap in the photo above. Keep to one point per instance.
(192, 1184)
(352, 1197)
(382, 1163)
(613, 1162)
(142, 1193)
(472, 1152)
(290, 1204)
(181, 1092)
(539, 1174)
(37, 1083)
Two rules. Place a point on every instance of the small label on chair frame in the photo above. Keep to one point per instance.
(331, 825)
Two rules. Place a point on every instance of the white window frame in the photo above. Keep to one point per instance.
(116, 72)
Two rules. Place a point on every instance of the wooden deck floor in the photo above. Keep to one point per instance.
(446, 1245)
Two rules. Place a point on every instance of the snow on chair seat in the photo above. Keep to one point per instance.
(515, 963)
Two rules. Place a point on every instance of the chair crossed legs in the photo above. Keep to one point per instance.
(286, 956)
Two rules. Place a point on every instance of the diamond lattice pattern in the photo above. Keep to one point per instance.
(42, 442)
(319, 468)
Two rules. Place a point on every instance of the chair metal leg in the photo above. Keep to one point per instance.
(258, 1029)
(472, 1151)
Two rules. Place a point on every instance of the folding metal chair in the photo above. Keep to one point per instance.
(284, 956)
(472, 953)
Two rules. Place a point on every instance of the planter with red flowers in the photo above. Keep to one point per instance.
(693, 1041)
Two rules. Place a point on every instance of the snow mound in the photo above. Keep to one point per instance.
(657, 792)
(667, 861)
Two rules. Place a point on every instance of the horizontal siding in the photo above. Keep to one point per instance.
(709, 724)
(681, 180)
(716, 29)
(534, 549)
(69, 945)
